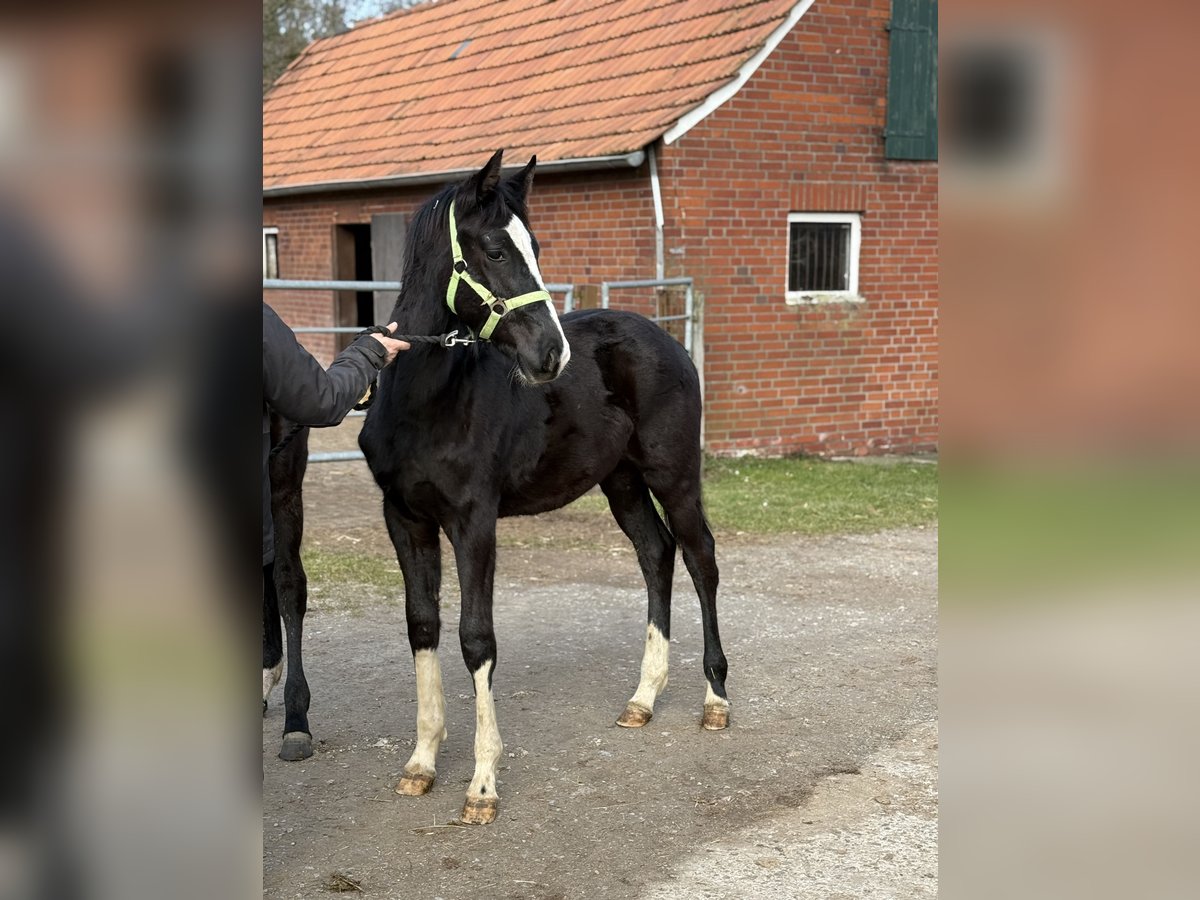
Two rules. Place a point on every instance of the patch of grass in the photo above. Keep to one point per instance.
(594, 502)
(1068, 526)
(350, 581)
(808, 496)
(351, 567)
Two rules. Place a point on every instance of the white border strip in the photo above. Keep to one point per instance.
(850, 295)
(715, 99)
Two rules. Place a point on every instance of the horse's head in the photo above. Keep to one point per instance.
(497, 288)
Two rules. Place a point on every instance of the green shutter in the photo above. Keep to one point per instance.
(912, 131)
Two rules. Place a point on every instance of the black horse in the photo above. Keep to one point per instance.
(518, 424)
(286, 593)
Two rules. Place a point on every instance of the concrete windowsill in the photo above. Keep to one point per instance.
(822, 299)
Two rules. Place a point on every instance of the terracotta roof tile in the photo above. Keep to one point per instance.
(566, 79)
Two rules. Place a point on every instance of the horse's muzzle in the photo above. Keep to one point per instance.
(547, 361)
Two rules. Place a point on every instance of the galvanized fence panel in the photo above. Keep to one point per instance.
(689, 304)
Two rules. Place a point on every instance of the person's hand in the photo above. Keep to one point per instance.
(391, 345)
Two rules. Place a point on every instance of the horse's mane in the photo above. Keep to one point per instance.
(427, 230)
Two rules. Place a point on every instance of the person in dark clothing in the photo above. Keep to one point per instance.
(297, 388)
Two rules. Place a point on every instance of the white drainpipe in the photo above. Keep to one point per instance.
(656, 190)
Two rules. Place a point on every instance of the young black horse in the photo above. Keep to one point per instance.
(521, 423)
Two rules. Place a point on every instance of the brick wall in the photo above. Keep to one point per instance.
(305, 251)
(803, 135)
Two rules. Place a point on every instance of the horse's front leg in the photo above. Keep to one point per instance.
(420, 558)
(475, 552)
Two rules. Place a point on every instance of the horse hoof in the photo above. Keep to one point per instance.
(635, 716)
(297, 745)
(414, 784)
(480, 811)
(716, 717)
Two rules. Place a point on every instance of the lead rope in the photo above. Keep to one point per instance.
(448, 340)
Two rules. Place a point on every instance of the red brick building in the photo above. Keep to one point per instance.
(781, 154)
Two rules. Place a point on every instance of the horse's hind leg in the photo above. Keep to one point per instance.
(629, 500)
(272, 635)
(680, 498)
(420, 558)
(291, 585)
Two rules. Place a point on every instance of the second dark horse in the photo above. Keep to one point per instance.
(519, 424)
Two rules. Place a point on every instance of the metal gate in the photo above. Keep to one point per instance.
(687, 317)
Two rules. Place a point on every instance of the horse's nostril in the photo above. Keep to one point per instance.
(550, 363)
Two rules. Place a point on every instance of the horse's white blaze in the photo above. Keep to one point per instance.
(654, 668)
(524, 243)
(271, 678)
(488, 746)
(566, 348)
(431, 713)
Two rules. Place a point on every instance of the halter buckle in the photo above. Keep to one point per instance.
(452, 338)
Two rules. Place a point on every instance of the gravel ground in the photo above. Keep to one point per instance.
(823, 786)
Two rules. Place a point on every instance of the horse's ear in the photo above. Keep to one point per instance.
(523, 180)
(484, 181)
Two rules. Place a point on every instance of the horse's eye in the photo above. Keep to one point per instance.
(495, 255)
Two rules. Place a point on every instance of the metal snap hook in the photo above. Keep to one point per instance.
(452, 338)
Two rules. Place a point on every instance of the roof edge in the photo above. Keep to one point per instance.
(748, 68)
(582, 164)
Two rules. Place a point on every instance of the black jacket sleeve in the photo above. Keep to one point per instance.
(295, 385)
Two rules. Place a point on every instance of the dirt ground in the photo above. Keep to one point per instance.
(824, 786)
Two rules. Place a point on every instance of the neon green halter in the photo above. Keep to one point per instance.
(499, 307)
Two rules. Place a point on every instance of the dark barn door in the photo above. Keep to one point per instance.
(387, 259)
(352, 262)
